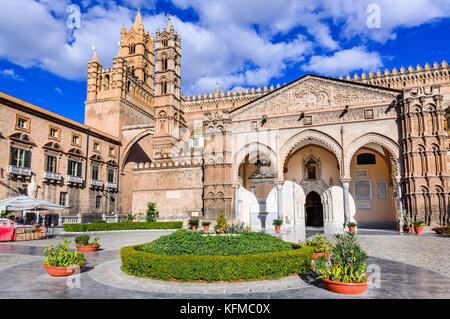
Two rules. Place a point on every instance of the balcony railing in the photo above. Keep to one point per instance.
(75, 179)
(95, 182)
(51, 175)
(111, 185)
(12, 169)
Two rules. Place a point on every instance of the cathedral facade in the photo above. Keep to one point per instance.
(318, 151)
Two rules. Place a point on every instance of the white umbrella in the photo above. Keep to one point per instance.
(24, 202)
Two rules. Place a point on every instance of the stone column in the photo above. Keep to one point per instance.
(236, 201)
(346, 186)
(279, 187)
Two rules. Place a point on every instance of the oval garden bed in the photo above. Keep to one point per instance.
(193, 256)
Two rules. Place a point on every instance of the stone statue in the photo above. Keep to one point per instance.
(32, 187)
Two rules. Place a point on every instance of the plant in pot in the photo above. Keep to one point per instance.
(221, 223)
(344, 271)
(151, 215)
(418, 224)
(60, 260)
(406, 221)
(352, 226)
(83, 244)
(277, 223)
(205, 225)
(193, 223)
(321, 245)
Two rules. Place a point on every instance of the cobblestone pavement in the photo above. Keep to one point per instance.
(408, 269)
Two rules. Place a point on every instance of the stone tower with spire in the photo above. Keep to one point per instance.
(168, 112)
(123, 94)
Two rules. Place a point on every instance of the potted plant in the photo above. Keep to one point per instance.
(321, 245)
(418, 224)
(205, 225)
(443, 230)
(406, 221)
(60, 260)
(83, 244)
(344, 271)
(352, 226)
(193, 223)
(277, 223)
(221, 223)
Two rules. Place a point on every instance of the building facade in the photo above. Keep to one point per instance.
(317, 151)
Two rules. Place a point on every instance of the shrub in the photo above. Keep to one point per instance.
(271, 265)
(99, 221)
(347, 262)
(152, 214)
(121, 226)
(236, 229)
(418, 223)
(83, 240)
(442, 230)
(61, 255)
(221, 221)
(205, 223)
(320, 244)
(195, 243)
(277, 222)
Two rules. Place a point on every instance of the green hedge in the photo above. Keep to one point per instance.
(121, 226)
(216, 268)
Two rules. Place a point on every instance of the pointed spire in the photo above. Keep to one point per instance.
(138, 20)
(95, 57)
(169, 23)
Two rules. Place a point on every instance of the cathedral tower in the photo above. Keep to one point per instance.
(168, 111)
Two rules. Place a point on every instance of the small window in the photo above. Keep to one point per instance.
(53, 133)
(98, 202)
(165, 42)
(96, 147)
(63, 198)
(76, 140)
(22, 123)
(132, 49)
(50, 165)
(365, 159)
(112, 152)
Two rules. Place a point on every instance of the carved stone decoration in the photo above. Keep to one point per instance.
(312, 93)
(32, 187)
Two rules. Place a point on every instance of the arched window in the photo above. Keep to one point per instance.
(106, 82)
(132, 48)
(164, 63)
(164, 87)
(165, 42)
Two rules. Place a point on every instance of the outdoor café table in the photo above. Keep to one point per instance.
(7, 233)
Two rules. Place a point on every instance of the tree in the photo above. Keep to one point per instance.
(152, 213)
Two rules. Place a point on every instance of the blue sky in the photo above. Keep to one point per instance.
(237, 43)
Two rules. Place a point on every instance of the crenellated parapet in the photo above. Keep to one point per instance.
(224, 100)
(405, 77)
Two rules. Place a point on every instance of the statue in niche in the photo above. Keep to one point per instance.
(311, 169)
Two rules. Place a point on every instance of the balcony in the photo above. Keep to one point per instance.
(17, 170)
(74, 179)
(51, 175)
(95, 182)
(111, 185)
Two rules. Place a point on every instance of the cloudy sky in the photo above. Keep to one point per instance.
(237, 43)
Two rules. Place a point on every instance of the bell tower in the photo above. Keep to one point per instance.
(168, 112)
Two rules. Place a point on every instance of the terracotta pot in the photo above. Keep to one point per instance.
(345, 288)
(193, 227)
(351, 228)
(206, 228)
(88, 248)
(418, 229)
(61, 271)
(315, 255)
(277, 228)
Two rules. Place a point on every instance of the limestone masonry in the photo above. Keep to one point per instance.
(317, 151)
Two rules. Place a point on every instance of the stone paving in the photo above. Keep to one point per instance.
(409, 266)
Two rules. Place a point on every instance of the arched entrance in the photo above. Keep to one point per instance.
(313, 210)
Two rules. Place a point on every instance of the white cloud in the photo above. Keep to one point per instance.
(234, 42)
(10, 73)
(345, 61)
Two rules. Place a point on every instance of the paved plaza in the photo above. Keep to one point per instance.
(410, 266)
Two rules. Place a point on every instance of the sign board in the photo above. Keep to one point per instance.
(173, 194)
